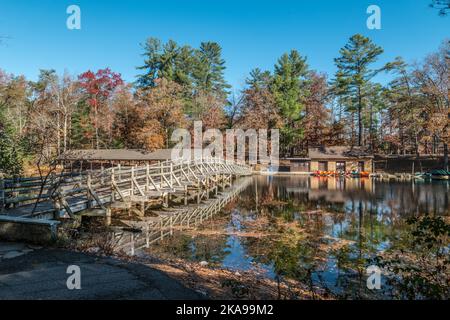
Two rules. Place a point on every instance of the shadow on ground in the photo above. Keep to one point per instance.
(41, 274)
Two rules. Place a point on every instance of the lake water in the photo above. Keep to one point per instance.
(321, 231)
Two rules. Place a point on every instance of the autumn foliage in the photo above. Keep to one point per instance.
(180, 84)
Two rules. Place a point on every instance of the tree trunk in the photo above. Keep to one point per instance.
(371, 135)
(360, 124)
(359, 127)
(65, 133)
(96, 129)
(58, 133)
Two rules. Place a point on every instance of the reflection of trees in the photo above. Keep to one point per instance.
(294, 251)
(300, 253)
(209, 248)
(178, 246)
(367, 234)
(304, 242)
(370, 222)
(297, 261)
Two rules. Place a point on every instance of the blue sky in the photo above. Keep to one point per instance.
(251, 33)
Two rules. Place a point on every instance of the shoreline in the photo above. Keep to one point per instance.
(31, 272)
(218, 283)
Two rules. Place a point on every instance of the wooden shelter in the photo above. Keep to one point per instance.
(340, 158)
(336, 158)
(94, 159)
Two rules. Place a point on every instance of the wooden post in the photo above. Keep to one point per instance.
(162, 173)
(113, 180)
(147, 174)
(108, 216)
(166, 200)
(102, 177)
(132, 244)
(57, 213)
(88, 184)
(147, 236)
(132, 181)
(142, 208)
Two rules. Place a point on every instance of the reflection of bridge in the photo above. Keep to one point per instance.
(152, 229)
(96, 193)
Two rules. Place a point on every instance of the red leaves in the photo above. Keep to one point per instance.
(98, 88)
(99, 85)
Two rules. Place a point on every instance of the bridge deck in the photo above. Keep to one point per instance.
(69, 195)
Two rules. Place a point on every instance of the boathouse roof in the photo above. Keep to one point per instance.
(338, 153)
(116, 155)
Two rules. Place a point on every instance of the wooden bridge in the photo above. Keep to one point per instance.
(69, 195)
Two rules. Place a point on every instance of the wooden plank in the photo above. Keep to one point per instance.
(138, 198)
(28, 220)
(165, 213)
(121, 205)
(94, 213)
(154, 194)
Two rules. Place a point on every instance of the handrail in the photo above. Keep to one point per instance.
(164, 174)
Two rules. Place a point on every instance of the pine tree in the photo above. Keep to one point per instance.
(209, 69)
(152, 63)
(184, 64)
(288, 88)
(355, 73)
(259, 79)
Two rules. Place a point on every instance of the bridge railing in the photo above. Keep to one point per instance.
(98, 186)
(22, 191)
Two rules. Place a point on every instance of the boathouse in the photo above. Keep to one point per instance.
(335, 158)
(340, 159)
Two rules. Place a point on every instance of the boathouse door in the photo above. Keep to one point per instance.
(360, 166)
(340, 166)
(323, 166)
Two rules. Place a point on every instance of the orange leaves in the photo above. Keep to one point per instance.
(151, 135)
(148, 119)
(259, 110)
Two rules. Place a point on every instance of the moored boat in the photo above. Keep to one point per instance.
(440, 175)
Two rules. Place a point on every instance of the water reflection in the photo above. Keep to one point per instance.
(404, 198)
(321, 231)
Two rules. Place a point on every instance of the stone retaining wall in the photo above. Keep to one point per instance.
(30, 230)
